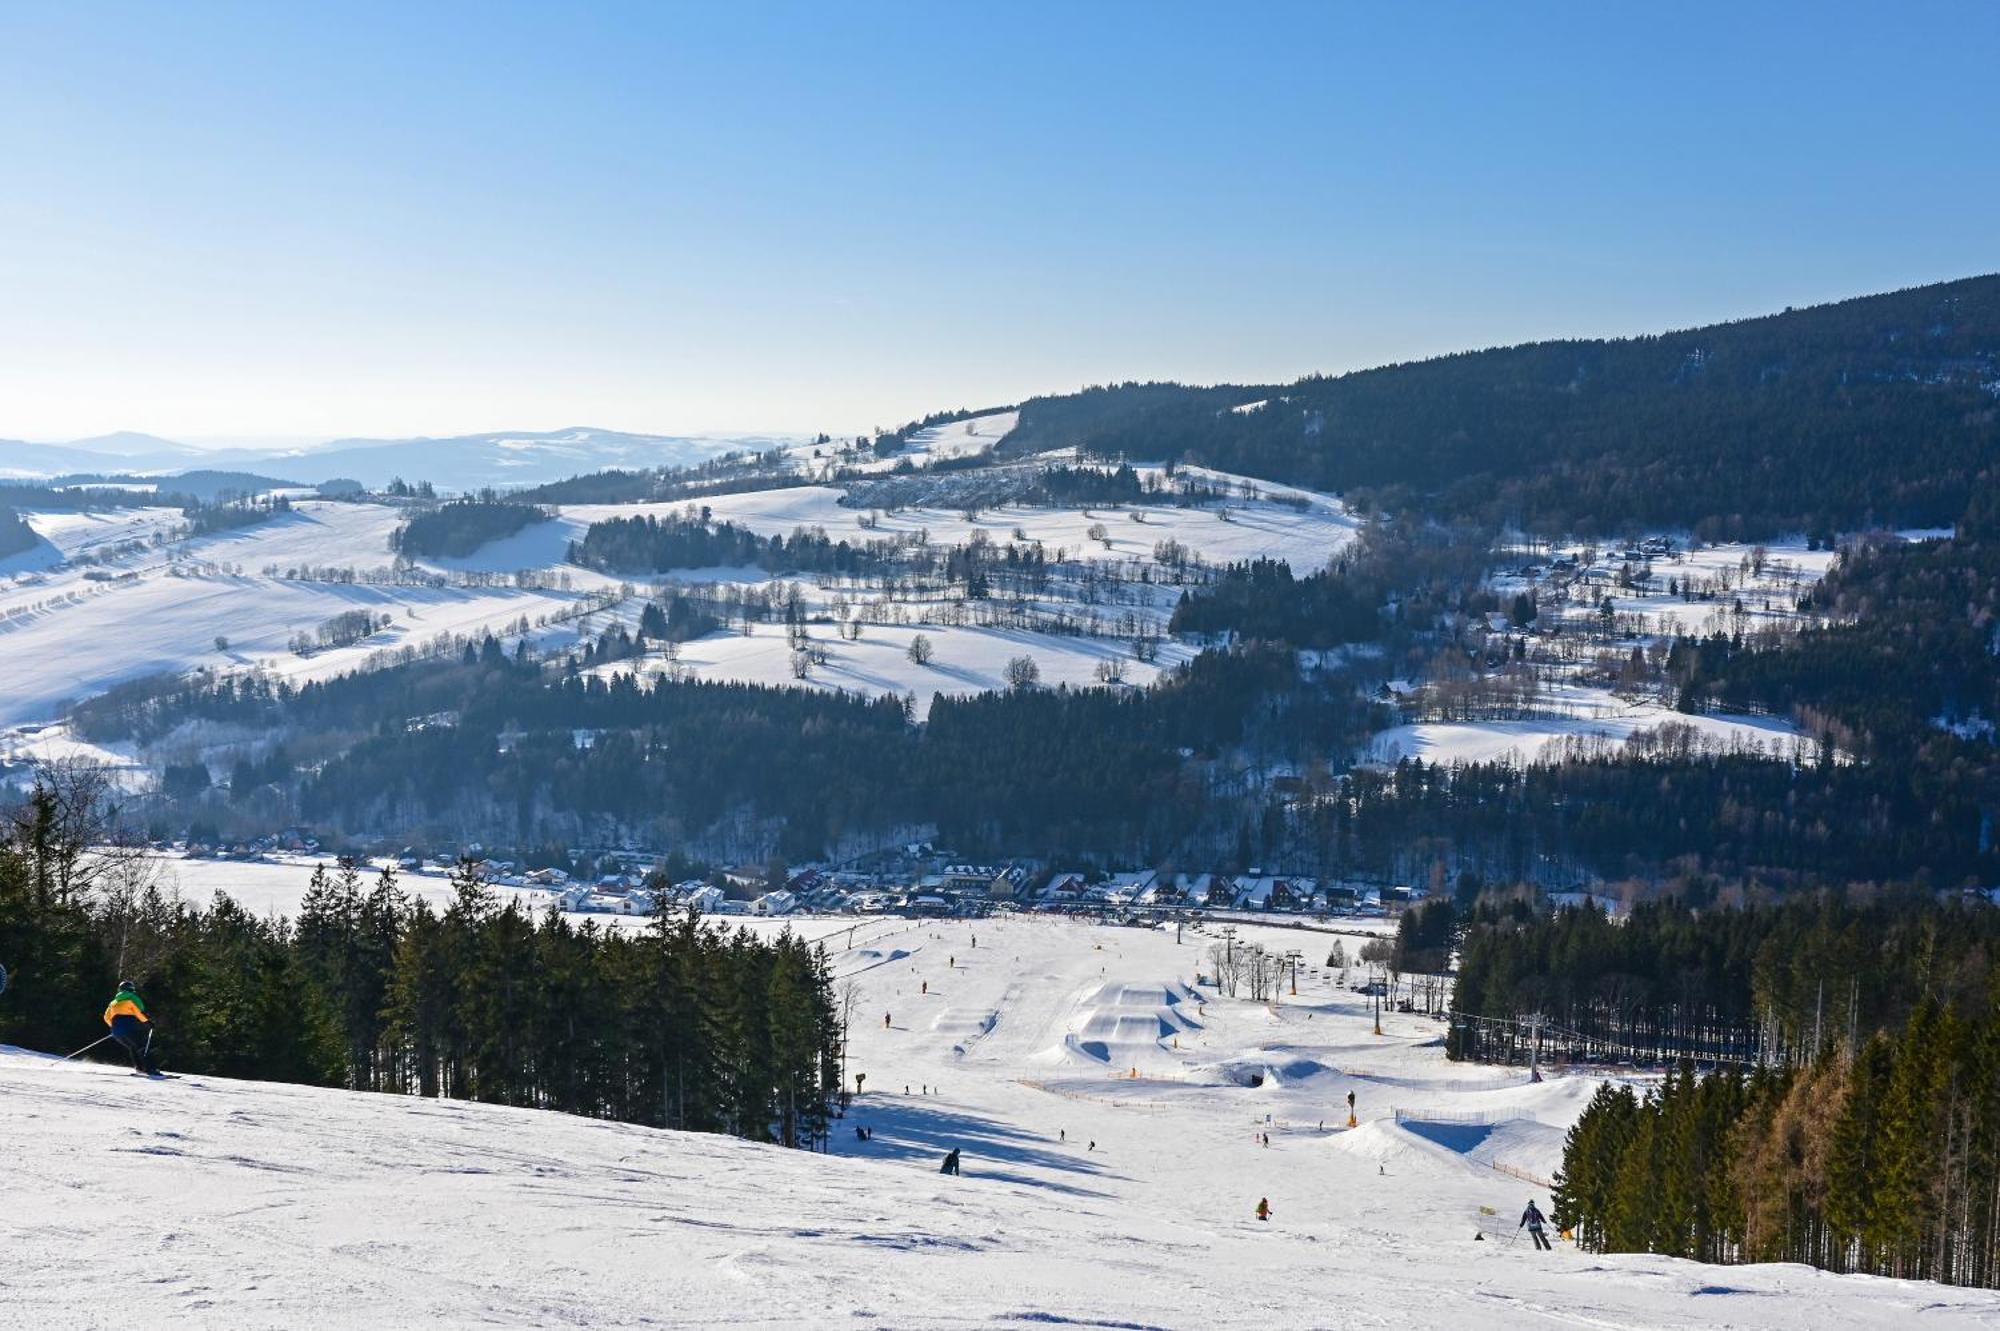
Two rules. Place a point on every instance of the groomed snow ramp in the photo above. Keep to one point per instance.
(1274, 1071)
(1118, 1023)
(964, 1026)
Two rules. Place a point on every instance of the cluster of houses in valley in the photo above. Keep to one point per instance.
(970, 890)
(1212, 891)
(916, 880)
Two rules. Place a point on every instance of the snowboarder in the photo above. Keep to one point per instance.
(131, 1027)
(1263, 1208)
(1533, 1221)
(950, 1165)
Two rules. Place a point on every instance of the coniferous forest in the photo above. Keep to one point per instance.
(1853, 1122)
(1884, 1159)
(15, 535)
(1791, 979)
(686, 1025)
(455, 530)
(1867, 412)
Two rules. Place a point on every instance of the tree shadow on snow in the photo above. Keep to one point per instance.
(907, 1130)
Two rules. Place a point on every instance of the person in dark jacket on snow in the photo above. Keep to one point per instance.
(131, 1027)
(950, 1165)
(1534, 1222)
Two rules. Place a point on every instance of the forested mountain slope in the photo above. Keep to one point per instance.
(1884, 409)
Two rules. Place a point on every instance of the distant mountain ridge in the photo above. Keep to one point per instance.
(506, 459)
(500, 459)
(20, 460)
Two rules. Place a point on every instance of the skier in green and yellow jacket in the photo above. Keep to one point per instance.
(131, 1027)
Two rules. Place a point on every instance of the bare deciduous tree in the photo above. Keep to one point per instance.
(1228, 964)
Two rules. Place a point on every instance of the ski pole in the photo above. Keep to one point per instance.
(86, 1049)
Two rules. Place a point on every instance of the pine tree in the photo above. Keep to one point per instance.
(1851, 1196)
(419, 1006)
(1907, 1138)
(1591, 1156)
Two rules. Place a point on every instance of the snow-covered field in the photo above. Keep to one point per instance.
(66, 634)
(68, 535)
(68, 631)
(1254, 530)
(1617, 604)
(972, 659)
(1582, 713)
(99, 634)
(1089, 1198)
(964, 439)
(958, 439)
(967, 660)
(1730, 587)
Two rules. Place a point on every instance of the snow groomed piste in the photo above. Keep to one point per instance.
(1111, 1117)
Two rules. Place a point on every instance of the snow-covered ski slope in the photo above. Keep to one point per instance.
(205, 1203)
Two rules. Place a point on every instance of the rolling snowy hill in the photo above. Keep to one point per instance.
(1089, 1198)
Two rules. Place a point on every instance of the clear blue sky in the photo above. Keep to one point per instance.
(264, 220)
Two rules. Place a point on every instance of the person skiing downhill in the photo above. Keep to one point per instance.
(131, 1027)
(1534, 1221)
